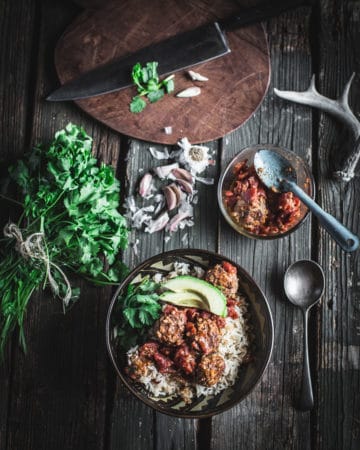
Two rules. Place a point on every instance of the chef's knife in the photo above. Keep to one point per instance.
(176, 53)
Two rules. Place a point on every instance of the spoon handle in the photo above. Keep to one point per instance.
(306, 401)
(347, 240)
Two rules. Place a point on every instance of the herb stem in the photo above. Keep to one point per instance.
(9, 199)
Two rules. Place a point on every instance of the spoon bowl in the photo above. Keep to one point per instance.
(273, 169)
(304, 283)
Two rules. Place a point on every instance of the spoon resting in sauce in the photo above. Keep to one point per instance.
(278, 174)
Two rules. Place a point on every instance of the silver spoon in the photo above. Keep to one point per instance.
(278, 174)
(304, 285)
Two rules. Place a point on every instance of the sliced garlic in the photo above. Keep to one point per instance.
(195, 76)
(189, 92)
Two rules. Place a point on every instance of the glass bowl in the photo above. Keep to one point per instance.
(305, 180)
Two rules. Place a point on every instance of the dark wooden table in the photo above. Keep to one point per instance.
(64, 394)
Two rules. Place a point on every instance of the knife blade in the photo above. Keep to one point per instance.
(178, 52)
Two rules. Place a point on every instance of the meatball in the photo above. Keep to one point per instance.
(204, 334)
(224, 277)
(169, 329)
(210, 369)
(185, 359)
(251, 214)
(163, 363)
(147, 350)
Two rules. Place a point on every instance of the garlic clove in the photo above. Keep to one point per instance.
(185, 185)
(170, 197)
(183, 175)
(195, 76)
(173, 196)
(189, 92)
(145, 185)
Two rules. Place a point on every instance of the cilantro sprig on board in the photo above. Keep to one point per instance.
(149, 85)
(73, 202)
(136, 311)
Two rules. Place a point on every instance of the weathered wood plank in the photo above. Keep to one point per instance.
(59, 390)
(267, 418)
(136, 431)
(338, 391)
(16, 51)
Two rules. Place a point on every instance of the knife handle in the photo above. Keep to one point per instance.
(260, 12)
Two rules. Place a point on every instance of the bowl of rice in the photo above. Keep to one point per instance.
(182, 359)
(251, 208)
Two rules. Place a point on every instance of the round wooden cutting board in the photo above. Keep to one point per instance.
(237, 82)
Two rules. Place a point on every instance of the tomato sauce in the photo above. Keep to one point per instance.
(256, 208)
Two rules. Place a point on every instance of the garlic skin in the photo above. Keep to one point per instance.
(195, 76)
(157, 154)
(158, 224)
(189, 92)
(164, 171)
(186, 211)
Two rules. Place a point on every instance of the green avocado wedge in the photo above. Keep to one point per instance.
(196, 293)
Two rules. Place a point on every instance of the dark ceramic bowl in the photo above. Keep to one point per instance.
(305, 180)
(249, 374)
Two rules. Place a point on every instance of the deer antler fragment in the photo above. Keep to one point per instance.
(339, 108)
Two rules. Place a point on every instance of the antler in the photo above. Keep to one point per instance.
(340, 109)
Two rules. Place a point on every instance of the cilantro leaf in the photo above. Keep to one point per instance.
(169, 85)
(155, 95)
(152, 71)
(137, 75)
(138, 309)
(137, 104)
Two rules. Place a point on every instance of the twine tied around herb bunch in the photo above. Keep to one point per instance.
(34, 247)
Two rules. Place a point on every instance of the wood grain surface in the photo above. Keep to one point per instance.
(124, 27)
(64, 394)
(338, 321)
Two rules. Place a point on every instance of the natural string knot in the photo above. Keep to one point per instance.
(34, 247)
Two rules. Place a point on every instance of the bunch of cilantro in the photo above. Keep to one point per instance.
(135, 312)
(74, 202)
(148, 84)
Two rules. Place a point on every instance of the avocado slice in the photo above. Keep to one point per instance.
(194, 290)
(188, 299)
